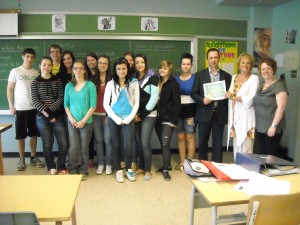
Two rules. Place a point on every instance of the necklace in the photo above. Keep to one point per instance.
(266, 85)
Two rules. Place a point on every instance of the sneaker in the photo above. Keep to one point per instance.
(120, 176)
(166, 175)
(52, 172)
(108, 170)
(84, 176)
(130, 174)
(100, 169)
(147, 176)
(162, 169)
(134, 166)
(63, 172)
(35, 161)
(21, 165)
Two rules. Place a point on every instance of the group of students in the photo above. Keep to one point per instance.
(71, 100)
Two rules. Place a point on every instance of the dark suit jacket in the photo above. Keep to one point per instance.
(204, 112)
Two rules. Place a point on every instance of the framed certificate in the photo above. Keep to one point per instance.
(215, 90)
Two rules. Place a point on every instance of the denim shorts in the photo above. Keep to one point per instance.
(186, 125)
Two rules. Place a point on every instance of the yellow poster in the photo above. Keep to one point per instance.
(228, 54)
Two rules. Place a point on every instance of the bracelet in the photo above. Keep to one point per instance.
(273, 125)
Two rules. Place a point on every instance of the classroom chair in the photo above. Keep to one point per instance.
(18, 218)
(274, 210)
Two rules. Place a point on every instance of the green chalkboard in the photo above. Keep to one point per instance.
(155, 50)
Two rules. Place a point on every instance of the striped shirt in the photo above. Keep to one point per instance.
(47, 95)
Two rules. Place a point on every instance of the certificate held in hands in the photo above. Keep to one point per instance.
(215, 90)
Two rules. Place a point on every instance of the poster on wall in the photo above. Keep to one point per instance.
(58, 23)
(149, 24)
(228, 54)
(291, 36)
(106, 23)
(262, 44)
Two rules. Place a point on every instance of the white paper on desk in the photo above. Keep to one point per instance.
(260, 184)
(234, 171)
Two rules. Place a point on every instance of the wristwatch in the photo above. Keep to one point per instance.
(274, 125)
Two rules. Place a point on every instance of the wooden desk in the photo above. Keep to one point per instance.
(3, 127)
(51, 198)
(216, 194)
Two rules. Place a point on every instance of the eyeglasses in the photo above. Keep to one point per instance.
(102, 63)
(78, 68)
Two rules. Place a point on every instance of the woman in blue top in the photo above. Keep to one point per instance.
(185, 127)
(146, 117)
(79, 103)
(121, 103)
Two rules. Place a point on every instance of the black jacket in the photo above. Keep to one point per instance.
(204, 112)
(169, 102)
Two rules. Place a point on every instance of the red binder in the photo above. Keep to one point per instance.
(215, 171)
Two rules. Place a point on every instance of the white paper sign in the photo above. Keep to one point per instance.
(215, 90)
(149, 24)
(58, 23)
(106, 23)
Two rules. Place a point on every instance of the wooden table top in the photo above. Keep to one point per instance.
(51, 198)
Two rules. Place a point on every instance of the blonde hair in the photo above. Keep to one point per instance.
(168, 64)
(246, 55)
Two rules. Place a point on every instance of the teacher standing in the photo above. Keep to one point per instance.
(211, 115)
(270, 103)
(241, 115)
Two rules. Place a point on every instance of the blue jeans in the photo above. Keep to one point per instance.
(164, 133)
(47, 129)
(143, 133)
(79, 145)
(102, 135)
(127, 132)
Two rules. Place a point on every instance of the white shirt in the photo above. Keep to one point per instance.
(22, 78)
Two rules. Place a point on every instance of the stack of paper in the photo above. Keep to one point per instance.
(260, 184)
(227, 171)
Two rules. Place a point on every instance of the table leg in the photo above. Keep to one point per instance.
(58, 223)
(192, 205)
(214, 215)
(1, 159)
(73, 217)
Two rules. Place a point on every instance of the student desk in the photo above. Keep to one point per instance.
(214, 194)
(3, 127)
(51, 198)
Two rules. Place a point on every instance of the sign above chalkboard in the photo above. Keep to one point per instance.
(8, 24)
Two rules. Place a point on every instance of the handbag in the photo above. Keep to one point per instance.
(195, 168)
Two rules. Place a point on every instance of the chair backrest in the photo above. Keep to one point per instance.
(274, 210)
(18, 218)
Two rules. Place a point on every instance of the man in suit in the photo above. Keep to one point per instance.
(210, 115)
